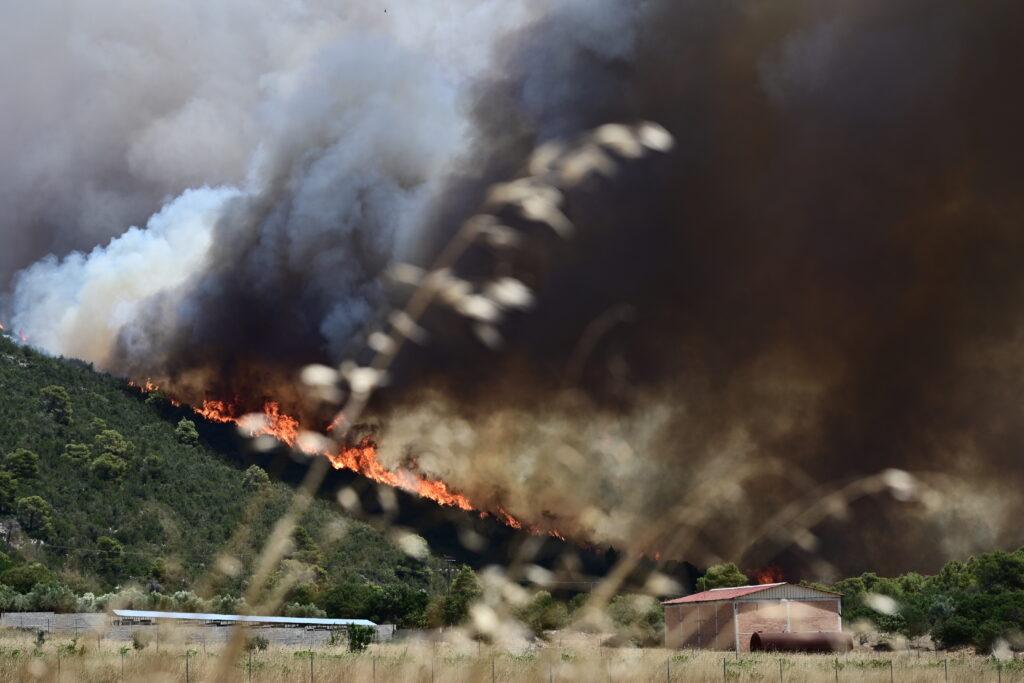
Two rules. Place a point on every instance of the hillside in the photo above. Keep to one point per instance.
(101, 486)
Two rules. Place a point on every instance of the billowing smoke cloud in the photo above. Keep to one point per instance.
(821, 282)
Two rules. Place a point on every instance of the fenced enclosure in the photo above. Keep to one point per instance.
(60, 658)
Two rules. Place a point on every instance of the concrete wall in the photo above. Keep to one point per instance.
(93, 625)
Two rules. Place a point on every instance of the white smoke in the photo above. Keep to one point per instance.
(339, 120)
(77, 305)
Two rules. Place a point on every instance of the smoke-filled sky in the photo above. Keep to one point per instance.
(823, 278)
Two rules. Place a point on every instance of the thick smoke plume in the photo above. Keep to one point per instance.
(820, 283)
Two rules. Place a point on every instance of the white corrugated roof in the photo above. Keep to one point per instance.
(202, 616)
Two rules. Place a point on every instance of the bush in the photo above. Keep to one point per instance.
(256, 643)
(53, 597)
(544, 613)
(140, 639)
(8, 598)
(304, 611)
(87, 603)
(359, 637)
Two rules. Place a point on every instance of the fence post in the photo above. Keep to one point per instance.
(945, 665)
(122, 665)
(374, 659)
(890, 670)
(668, 670)
(311, 665)
(187, 678)
(724, 664)
(250, 666)
(58, 666)
(837, 669)
(780, 671)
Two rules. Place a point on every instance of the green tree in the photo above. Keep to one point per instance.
(110, 441)
(186, 432)
(23, 464)
(8, 490)
(544, 613)
(57, 403)
(399, 604)
(464, 592)
(110, 556)
(255, 479)
(77, 452)
(722, 576)
(35, 516)
(152, 466)
(109, 467)
(349, 600)
(23, 577)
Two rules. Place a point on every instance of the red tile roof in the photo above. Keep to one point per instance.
(723, 593)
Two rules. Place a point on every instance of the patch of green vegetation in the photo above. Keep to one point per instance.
(103, 486)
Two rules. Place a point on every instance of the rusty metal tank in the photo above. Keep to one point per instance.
(822, 641)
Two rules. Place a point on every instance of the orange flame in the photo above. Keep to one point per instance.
(361, 458)
(769, 574)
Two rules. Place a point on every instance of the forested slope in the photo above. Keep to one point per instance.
(101, 486)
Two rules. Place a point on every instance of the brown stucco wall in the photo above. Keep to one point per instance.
(709, 625)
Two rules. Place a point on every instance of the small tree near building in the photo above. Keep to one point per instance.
(464, 592)
(359, 637)
(722, 576)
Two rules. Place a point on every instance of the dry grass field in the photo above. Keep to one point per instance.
(94, 660)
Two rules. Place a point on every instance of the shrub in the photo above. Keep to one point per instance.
(140, 639)
(256, 643)
(53, 597)
(544, 613)
(305, 611)
(360, 637)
